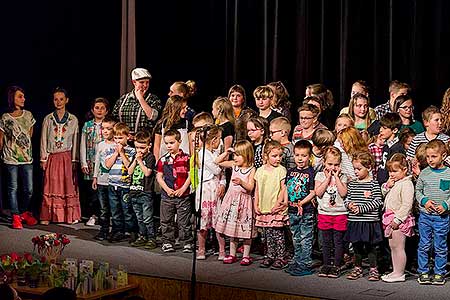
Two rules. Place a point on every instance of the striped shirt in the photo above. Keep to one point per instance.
(367, 196)
(118, 174)
(433, 184)
(422, 138)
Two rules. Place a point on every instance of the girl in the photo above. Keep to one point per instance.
(328, 113)
(263, 98)
(16, 129)
(59, 154)
(308, 123)
(186, 90)
(271, 204)
(445, 110)
(404, 106)
(358, 110)
(235, 213)
(91, 135)
(173, 117)
(222, 111)
(343, 121)
(363, 202)
(349, 142)
(330, 189)
(258, 131)
(209, 185)
(242, 113)
(280, 101)
(398, 221)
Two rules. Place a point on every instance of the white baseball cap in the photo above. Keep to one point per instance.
(140, 73)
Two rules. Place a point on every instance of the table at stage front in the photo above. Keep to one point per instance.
(25, 290)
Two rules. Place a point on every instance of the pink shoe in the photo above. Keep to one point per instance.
(246, 261)
(229, 259)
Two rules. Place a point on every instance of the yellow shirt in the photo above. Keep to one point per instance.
(269, 186)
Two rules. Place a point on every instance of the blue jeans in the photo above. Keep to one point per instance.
(26, 174)
(122, 214)
(433, 229)
(105, 210)
(302, 235)
(143, 208)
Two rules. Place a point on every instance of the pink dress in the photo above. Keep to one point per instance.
(235, 214)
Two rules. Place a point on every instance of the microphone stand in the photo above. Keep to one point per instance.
(197, 220)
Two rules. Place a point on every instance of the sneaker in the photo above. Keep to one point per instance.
(334, 272)
(390, 278)
(279, 264)
(324, 271)
(91, 221)
(101, 236)
(150, 245)
(187, 248)
(140, 242)
(438, 279)
(424, 278)
(28, 218)
(17, 222)
(117, 237)
(167, 248)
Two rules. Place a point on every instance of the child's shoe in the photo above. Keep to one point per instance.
(132, 237)
(91, 221)
(300, 272)
(373, 274)
(117, 237)
(390, 278)
(201, 255)
(324, 271)
(28, 218)
(101, 236)
(140, 242)
(187, 248)
(279, 264)
(424, 278)
(266, 263)
(221, 256)
(167, 248)
(356, 273)
(229, 259)
(334, 272)
(17, 222)
(150, 245)
(438, 279)
(246, 261)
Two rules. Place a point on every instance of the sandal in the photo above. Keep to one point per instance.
(373, 274)
(201, 255)
(246, 261)
(266, 263)
(356, 273)
(221, 256)
(229, 259)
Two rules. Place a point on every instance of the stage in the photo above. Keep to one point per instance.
(173, 272)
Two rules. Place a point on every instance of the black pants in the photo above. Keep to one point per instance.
(371, 250)
(329, 238)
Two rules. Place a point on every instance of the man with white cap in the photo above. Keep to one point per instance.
(139, 109)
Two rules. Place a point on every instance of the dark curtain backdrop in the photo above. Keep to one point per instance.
(76, 44)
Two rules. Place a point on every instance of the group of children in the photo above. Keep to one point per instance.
(265, 188)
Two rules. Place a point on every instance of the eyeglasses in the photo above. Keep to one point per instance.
(407, 107)
(275, 131)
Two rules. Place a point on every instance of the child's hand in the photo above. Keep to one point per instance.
(430, 206)
(351, 205)
(139, 156)
(440, 209)
(236, 181)
(119, 148)
(94, 183)
(415, 168)
(300, 210)
(394, 225)
(230, 150)
(337, 173)
(220, 192)
(85, 170)
(390, 183)
(179, 192)
(43, 165)
(139, 93)
(170, 192)
(355, 210)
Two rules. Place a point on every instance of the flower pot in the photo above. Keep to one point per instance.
(33, 281)
(21, 280)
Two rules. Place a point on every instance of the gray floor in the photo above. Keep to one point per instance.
(178, 266)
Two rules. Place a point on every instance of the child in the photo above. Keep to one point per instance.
(209, 185)
(363, 202)
(263, 98)
(330, 189)
(349, 141)
(308, 117)
(270, 204)
(432, 120)
(222, 111)
(300, 192)
(118, 162)
(433, 194)
(358, 110)
(141, 189)
(16, 129)
(376, 145)
(100, 176)
(280, 101)
(343, 121)
(258, 131)
(185, 90)
(235, 213)
(405, 137)
(91, 135)
(280, 129)
(390, 124)
(59, 154)
(321, 139)
(398, 221)
(173, 177)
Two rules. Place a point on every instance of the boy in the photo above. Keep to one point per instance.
(321, 139)
(300, 192)
(396, 88)
(141, 190)
(390, 124)
(279, 130)
(263, 97)
(432, 120)
(433, 194)
(308, 116)
(173, 177)
(100, 178)
(122, 214)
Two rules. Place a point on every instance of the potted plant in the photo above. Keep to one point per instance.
(50, 245)
(22, 265)
(34, 270)
(8, 265)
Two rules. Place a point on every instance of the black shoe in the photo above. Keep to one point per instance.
(101, 236)
(117, 237)
(324, 271)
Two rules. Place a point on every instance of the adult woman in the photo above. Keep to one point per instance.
(139, 108)
(404, 106)
(186, 90)
(236, 94)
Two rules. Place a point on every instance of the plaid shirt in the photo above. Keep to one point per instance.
(382, 109)
(377, 153)
(128, 110)
(175, 171)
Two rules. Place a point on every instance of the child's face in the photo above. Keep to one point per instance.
(99, 111)
(301, 157)
(255, 134)
(121, 139)
(215, 111)
(406, 109)
(19, 100)
(407, 143)
(236, 99)
(332, 163)
(107, 130)
(341, 124)
(397, 172)
(141, 148)
(238, 160)
(276, 133)
(60, 100)
(434, 125)
(172, 144)
(263, 103)
(361, 172)
(386, 133)
(183, 111)
(361, 108)
(307, 119)
(435, 157)
(274, 157)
